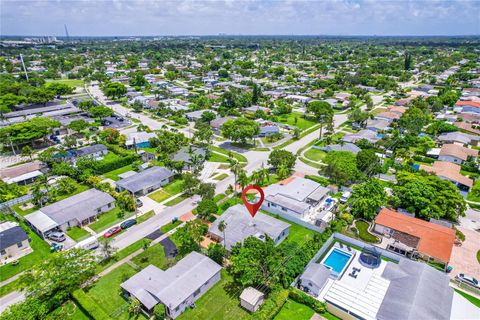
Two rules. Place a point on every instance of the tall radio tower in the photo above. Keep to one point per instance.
(66, 33)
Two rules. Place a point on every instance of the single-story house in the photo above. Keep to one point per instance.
(410, 236)
(197, 115)
(22, 174)
(314, 278)
(350, 147)
(217, 123)
(469, 117)
(14, 242)
(377, 125)
(241, 225)
(369, 135)
(146, 181)
(140, 139)
(146, 156)
(80, 209)
(176, 288)
(387, 116)
(97, 151)
(251, 299)
(467, 106)
(297, 197)
(398, 109)
(187, 154)
(456, 153)
(451, 172)
(267, 128)
(460, 138)
(252, 109)
(469, 127)
(298, 98)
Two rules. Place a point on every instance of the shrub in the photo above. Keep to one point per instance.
(159, 312)
(89, 305)
(272, 305)
(460, 235)
(102, 167)
(303, 298)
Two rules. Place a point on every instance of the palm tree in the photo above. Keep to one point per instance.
(283, 172)
(234, 167)
(221, 227)
(243, 179)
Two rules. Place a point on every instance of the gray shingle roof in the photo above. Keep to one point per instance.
(416, 291)
(183, 155)
(12, 236)
(91, 149)
(171, 287)
(80, 206)
(316, 273)
(350, 147)
(145, 179)
(240, 225)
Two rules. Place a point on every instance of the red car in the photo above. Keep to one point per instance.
(112, 231)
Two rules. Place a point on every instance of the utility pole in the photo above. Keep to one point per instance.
(66, 33)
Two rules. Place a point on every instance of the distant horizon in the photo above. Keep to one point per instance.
(244, 35)
(132, 18)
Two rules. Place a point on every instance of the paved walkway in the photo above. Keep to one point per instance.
(11, 279)
(11, 298)
(464, 257)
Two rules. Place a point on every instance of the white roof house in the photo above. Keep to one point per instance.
(175, 286)
(139, 137)
(251, 299)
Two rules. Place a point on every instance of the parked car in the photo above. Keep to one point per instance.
(55, 247)
(112, 231)
(463, 278)
(128, 223)
(57, 236)
(88, 244)
(139, 203)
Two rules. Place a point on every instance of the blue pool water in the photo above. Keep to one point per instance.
(337, 260)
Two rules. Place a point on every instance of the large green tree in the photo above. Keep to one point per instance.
(367, 198)
(323, 113)
(342, 167)
(240, 129)
(413, 120)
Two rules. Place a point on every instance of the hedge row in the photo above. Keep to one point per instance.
(103, 167)
(423, 159)
(89, 306)
(272, 305)
(303, 298)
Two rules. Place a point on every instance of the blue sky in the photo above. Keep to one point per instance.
(324, 17)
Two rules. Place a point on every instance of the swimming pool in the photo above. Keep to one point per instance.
(337, 261)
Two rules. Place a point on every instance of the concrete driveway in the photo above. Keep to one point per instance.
(464, 257)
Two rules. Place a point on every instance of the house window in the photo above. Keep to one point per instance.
(196, 293)
(274, 205)
(109, 205)
(284, 209)
(3, 252)
(99, 210)
(19, 245)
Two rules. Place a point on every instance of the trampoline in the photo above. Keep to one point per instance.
(370, 259)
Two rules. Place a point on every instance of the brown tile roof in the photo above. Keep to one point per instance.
(448, 170)
(16, 171)
(435, 240)
(457, 151)
(467, 127)
(389, 115)
(467, 103)
(470, 117)
(398, 109)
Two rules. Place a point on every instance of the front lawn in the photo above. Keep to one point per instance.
(220, 177)
(294, 310)
(169, 190)
(119, 255)
(363, 233)
(170, 226)
(152, 255)
(108, 219)
(70, 82)
(236, 155)
(215, 157)
(114, 173)
(315, 154)
(471, 196)
(106, 292)
(298, 233)
(472, 299)
(78, 234)
(219, 303)
(296, 119)
(145, 216)
(177, 200)
(41, 251)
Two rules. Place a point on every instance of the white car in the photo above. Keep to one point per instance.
(471, 281)
(345, 196)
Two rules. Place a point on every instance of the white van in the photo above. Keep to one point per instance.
(88, 244)
(345, 196)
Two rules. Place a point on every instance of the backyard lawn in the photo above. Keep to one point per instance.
(218, 303)
(106, 292)
(114, 173)
(296, 119)
(315, 154)
(41, 251)
(297, 233)
(68, 311)
(153, 255)
(108, 219)
(77, 233)
(70, 82)
(363, 233)
(294, 310)
(167, 191)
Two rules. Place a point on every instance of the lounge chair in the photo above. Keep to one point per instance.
(353, 275)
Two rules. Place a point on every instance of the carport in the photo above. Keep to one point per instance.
(40, 223)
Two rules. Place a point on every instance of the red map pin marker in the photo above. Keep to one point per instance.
(252, 207)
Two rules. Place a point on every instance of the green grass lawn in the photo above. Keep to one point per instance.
(215, 157)
(170, 226)
(114, 173)
(221, 302)
(475, 301)
(10, 287)
(471, 195)
(220, 177)
(68, 311)
(294, 310)
(108, 219)
(219, 197)
(315, 154)
(363, 233)
(77, 233)
(119, 255)
(300, 121)
(311, 163)
(478, 256)
(153, 255)
(145, 216)
(106, 292)
(177, 200)
(18, 209)
(169, 190)
(236, 155)
(70, 82)
(298, 233)
(41, 251)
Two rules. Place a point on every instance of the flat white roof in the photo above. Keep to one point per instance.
(25, 176)
(41, 221)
